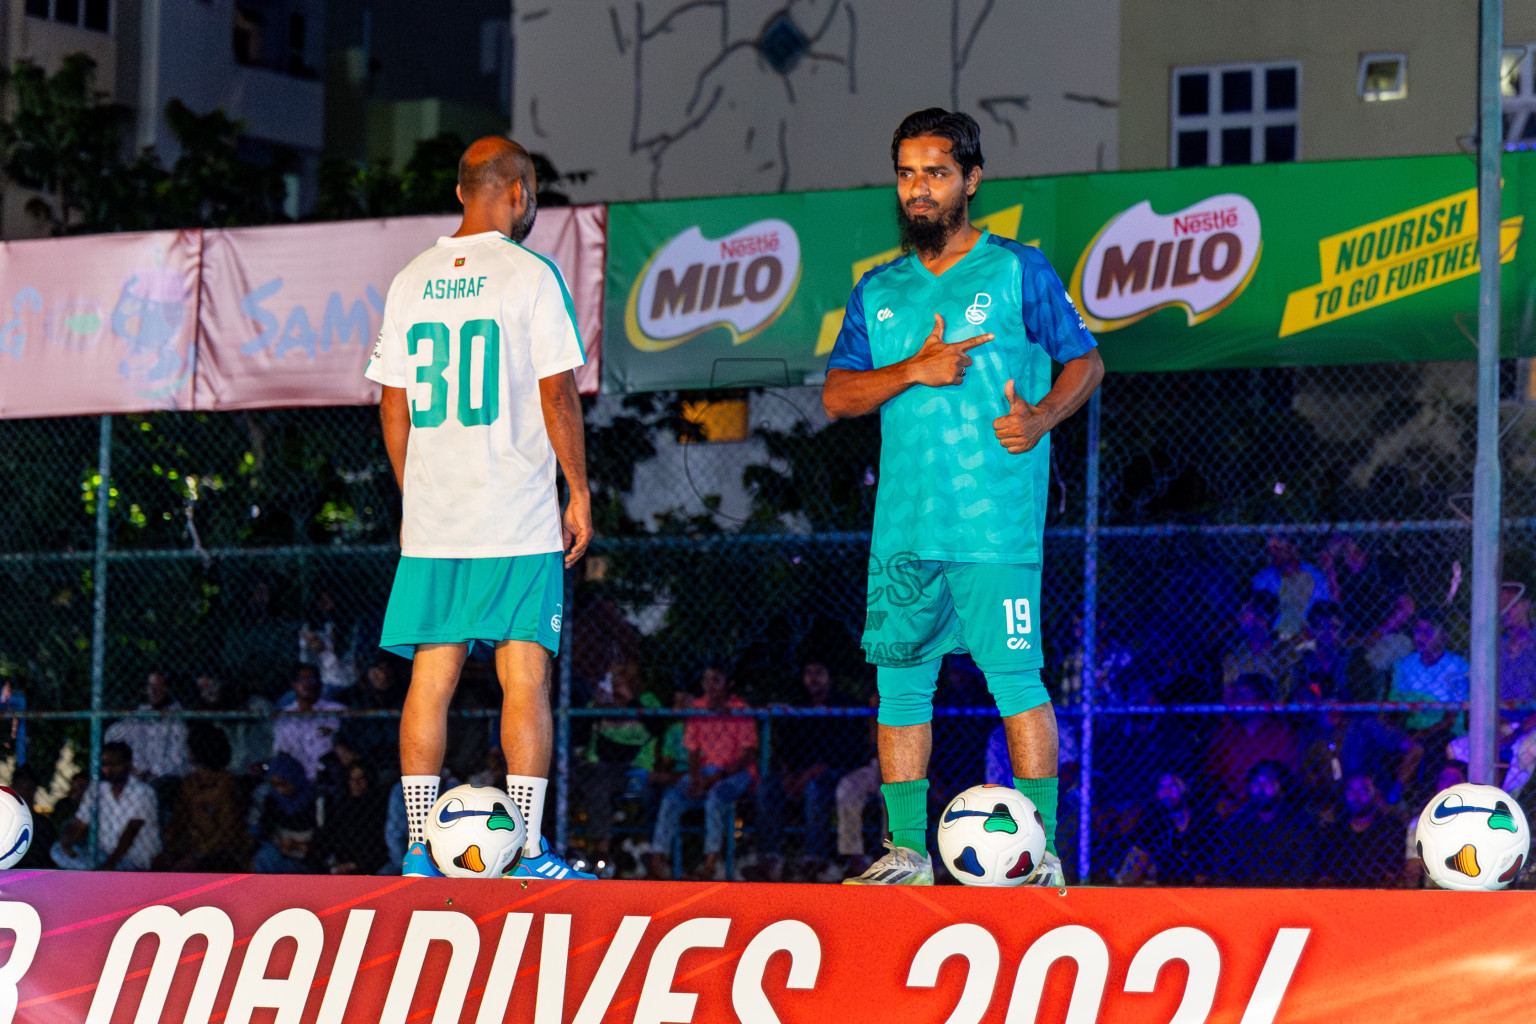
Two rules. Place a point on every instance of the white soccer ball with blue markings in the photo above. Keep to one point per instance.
(1473, 837)
(475, 832)
(15, 827)
(991, 835)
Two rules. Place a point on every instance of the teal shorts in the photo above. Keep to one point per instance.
(922, 610)
(475, 601)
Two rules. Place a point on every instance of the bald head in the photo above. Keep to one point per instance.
(494, 163)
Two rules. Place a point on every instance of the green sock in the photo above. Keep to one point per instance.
(906, 805)
(1042, 793)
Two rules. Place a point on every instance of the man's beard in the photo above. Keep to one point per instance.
(525, 222)
(927, 235)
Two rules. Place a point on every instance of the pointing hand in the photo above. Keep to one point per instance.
(940, 363)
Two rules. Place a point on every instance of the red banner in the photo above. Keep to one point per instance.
(104, 947)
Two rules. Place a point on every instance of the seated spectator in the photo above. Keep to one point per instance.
(1297, 585)
(250, 738)
(1341, 744)
(810, 755)
(1257, 651)
(1243, 739)
(304, 738)
(283, 820)
(128, 819)
(351, 839)
(382, 689)
(1430, 674)
(1168, 846)
(1268, 841)
(333, 778)
(722, 766)
(159, 744)
(1330, 669)
(1361, 849)
(1374, 597)
(621, 751)
(326, 641)
(855, 790)
(13, 731)
(1517, 645)
(206, 831)
(44, 832)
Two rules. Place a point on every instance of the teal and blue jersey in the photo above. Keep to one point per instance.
(948, 489)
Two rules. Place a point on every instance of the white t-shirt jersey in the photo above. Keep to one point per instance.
(470, 327)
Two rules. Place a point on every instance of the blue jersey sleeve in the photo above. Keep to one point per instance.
(1050, 317)
(851, 351)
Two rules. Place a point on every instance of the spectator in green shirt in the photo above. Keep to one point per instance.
(619, 748)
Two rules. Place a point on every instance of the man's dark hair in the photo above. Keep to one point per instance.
(207, 745)
(119, 748)
(1431, 616)
(962, 131)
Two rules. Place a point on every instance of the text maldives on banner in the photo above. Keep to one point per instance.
(98, 324)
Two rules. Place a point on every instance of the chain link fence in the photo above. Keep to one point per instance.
(1250, 576)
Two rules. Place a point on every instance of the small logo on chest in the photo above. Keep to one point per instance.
(976, 312)
(884, 315)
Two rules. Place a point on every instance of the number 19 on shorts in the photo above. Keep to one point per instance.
(1017, 612)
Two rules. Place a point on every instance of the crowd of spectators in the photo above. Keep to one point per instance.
(1280, 783)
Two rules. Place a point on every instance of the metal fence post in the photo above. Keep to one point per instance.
(1090, 640)
(1487, 514)
(99, 614)
(563, 721)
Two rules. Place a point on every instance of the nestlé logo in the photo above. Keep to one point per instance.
(741, 282)
(1201, 258)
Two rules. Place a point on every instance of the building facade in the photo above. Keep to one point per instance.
(665, 98)
(1250, 81)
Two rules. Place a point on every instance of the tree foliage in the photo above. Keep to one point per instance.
(65, 139)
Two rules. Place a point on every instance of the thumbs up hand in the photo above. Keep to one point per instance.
(1023, 425)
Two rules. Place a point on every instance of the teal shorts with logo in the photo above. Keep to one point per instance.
(475, 601)
(922, 610)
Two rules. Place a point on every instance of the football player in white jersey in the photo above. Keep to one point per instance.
(475, 356)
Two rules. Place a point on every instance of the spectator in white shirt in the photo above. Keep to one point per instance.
(159, 745)
(303, 736)
(128, 824)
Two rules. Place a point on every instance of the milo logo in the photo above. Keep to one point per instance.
(742, 282)
(1200, 258)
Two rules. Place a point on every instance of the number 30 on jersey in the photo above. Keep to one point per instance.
(488, 332)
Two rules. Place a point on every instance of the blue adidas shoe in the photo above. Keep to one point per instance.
(418, 863)
(545, 865)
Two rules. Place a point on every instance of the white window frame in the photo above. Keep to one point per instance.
(1383, 95)
(79, 22)
(1519, 105)
(1214, 121)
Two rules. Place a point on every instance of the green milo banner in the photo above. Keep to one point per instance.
(1273, 265)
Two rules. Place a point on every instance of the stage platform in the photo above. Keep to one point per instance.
(119, 947)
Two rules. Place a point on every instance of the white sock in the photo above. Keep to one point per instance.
(527, 791)
(420, 795)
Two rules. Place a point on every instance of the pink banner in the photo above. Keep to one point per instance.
(281, 316)
(290, 313)
(98, 324)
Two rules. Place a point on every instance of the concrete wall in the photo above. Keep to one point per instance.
(1328, 37)
(664, 98)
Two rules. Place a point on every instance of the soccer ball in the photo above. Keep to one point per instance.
(1473, 837)
(475, 832)
(991, 835)
(15, 827)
